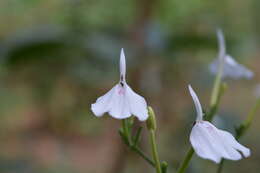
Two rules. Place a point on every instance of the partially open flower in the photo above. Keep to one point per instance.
(212, 143)
(121, 101)
(231, 68)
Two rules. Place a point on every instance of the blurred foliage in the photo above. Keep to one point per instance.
(57, 57)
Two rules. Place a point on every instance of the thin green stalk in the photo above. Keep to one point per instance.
(141, 153)
(217, 82)
(220, 166)
(154, 151)
(126, 130)
(216, 89)
(186, 161)
(128, 141)
(243, 128)
(213, 109)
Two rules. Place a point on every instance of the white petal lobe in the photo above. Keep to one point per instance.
(221, 44)
(122, 64)
(103, 103)
(197, 103)
(235, 70)
(114, 102)
(137, 104)
(121, 102)
(203, 144)
(214, 144)
(231, 69)
(230, 140)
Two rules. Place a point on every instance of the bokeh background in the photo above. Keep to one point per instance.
(58, 56)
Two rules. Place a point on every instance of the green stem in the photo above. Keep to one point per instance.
(217, 83)
(141, 153)
(126, 130)
(249, 118)
(215, 90)
(126, 133)
(220, 166)
(243, 128)
(186, 161)
(155, 152)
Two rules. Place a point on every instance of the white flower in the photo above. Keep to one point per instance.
(212, 143)
(231, 68)
(121, 101)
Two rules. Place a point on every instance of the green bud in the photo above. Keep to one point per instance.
(151, 121)
(164, 166)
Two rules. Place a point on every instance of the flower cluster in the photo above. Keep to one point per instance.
(209, 142)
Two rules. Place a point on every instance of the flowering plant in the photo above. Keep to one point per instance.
(207, 141)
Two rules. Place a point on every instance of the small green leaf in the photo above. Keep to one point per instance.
(136, 138)
(123, 136)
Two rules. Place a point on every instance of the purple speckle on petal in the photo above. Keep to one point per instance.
(121, 91)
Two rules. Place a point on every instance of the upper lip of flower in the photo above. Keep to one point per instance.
(122, 65)
(121, 101)
(197, 104)
(121, 83)
(221, 44)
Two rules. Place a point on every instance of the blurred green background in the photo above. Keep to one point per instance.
(58, 56)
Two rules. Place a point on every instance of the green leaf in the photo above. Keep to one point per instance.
(136, 138)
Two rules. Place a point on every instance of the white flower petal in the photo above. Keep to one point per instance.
(102, 104)
(221, 44)
(119, 106)
(235, 70)
(121, 102)
(214, 144)
(222, 146)
(137, 104)
(197, 103)
(114, 102)
(213, 67)
(230, 140)
(122, 65)
(203, 145)
(231, 69)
